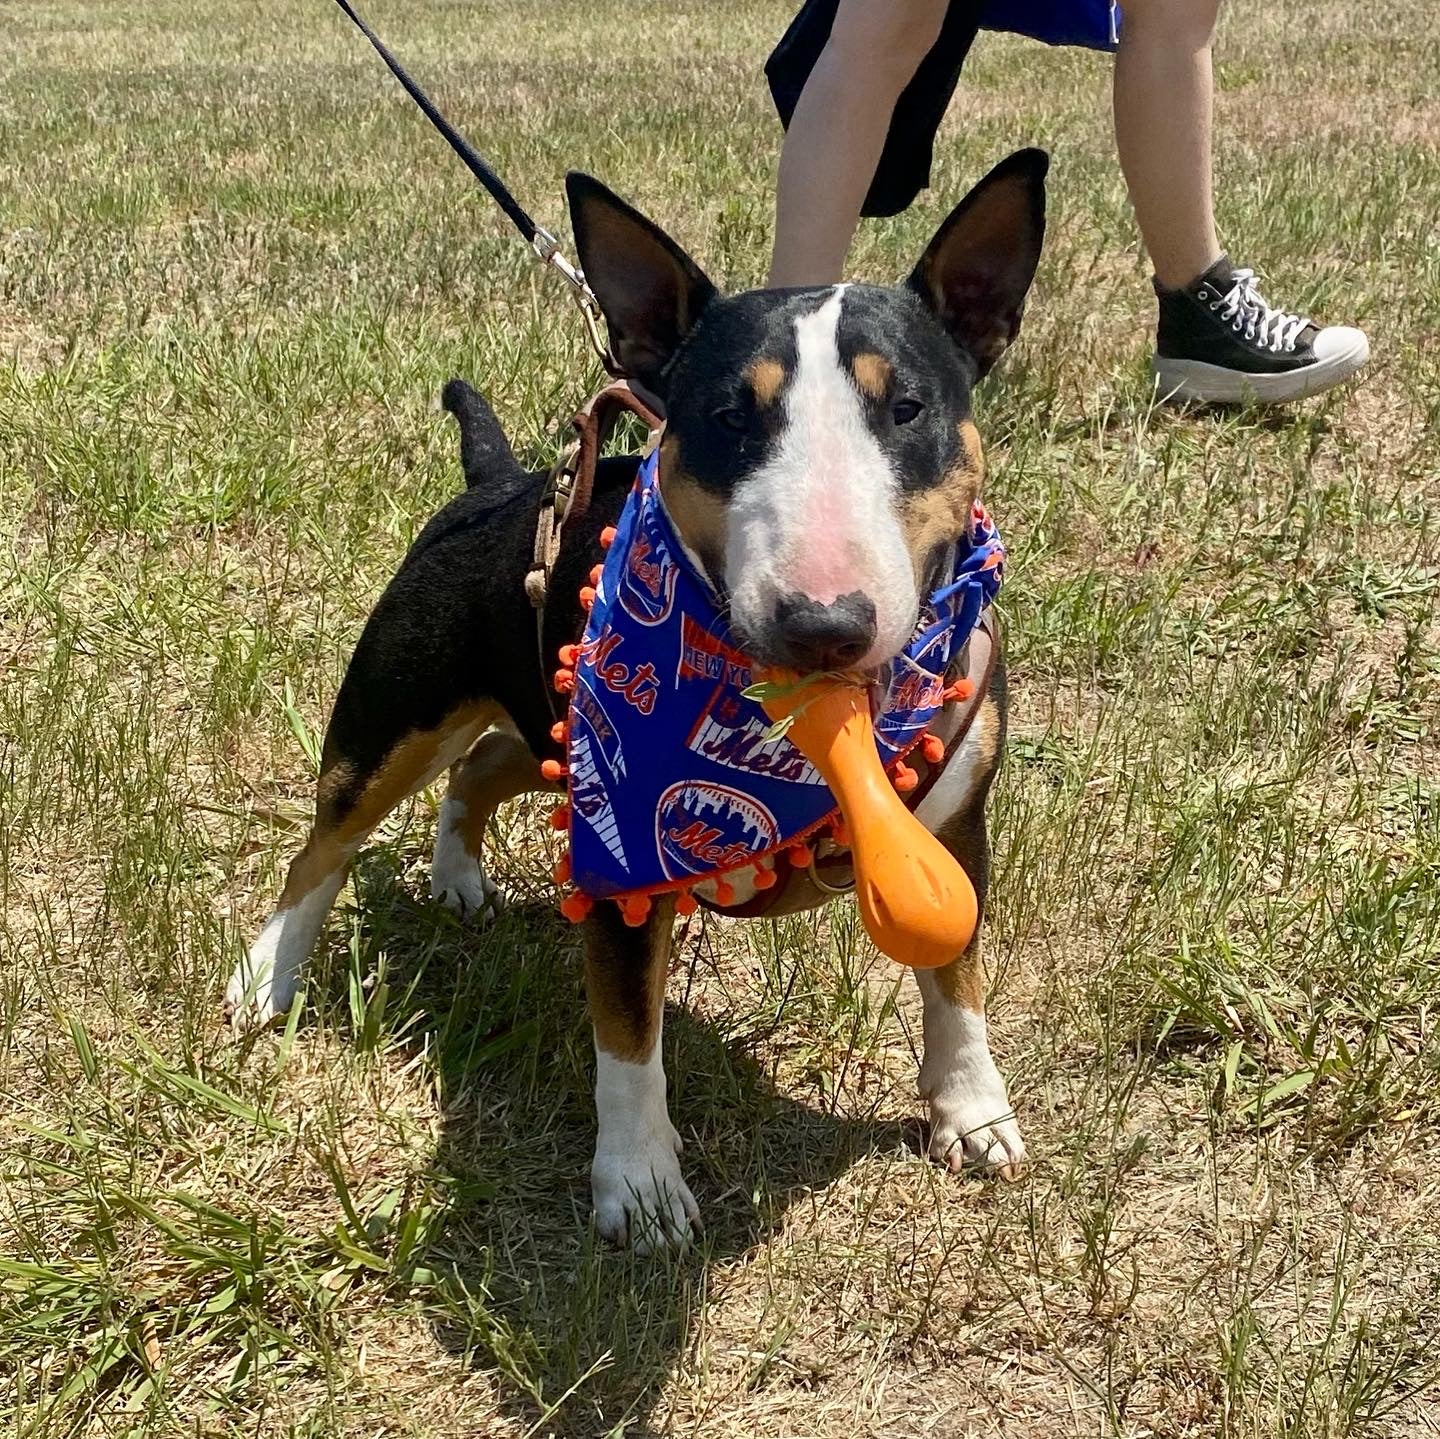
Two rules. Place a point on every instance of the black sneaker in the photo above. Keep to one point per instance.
(1220, 342)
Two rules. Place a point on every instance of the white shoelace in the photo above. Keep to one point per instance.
(1250, 313)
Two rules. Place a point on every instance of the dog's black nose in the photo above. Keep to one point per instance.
(824, 637)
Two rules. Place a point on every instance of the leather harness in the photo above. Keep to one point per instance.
(566, 497)
(565, 501)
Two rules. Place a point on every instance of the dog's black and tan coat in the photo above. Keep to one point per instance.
(819, 461)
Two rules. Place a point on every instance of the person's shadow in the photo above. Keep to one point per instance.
(577, 1336)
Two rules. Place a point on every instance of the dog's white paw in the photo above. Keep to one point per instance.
(641, 1198)
(456, 878)
(264, 984)
(974, 1125)
(971, 1121)
(467, 891)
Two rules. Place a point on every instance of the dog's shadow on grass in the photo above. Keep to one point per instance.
(578, 1337)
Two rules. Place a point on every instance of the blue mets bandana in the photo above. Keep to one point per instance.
(674, 775)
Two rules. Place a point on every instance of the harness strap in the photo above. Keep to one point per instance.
(571, 485)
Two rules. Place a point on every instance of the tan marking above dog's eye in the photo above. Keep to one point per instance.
(872, 374)
(766, 378)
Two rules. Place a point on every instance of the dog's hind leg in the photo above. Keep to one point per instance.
(359, 785)
(499, 768)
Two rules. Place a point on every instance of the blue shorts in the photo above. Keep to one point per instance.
(1093, 23)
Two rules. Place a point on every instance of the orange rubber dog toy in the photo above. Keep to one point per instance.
(917, 903)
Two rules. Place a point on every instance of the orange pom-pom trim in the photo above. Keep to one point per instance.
(569, 654)
(607, 537)
(587, 596)
(960, 690)
(686, 904)
(800, 855)
(561, 873)
(635, 910)
(559, 731)
(596, 573)
(552, 770)
(576, 906)
(724, 892)
(560, 817)
(933, 748)
(564, 681)
(904, 778)
(764, 878)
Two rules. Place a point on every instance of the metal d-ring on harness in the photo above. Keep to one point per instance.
(540, 240)
(571, 483)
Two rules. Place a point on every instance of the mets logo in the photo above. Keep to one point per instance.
(637, 685)
(702, 827)
(913, 689)
(732, 733)
(647, 579)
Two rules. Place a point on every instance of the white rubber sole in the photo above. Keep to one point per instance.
(1178, 381)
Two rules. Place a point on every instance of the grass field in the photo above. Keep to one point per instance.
(235, 269)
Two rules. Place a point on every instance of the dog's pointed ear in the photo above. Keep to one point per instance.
(649, 289)
(978, 268)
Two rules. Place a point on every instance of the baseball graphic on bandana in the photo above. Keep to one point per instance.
(702, 827)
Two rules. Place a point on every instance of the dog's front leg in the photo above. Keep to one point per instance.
(639, 1194)
(971, 1121)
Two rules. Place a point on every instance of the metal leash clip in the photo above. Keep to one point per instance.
(544, 244)
(547, 247)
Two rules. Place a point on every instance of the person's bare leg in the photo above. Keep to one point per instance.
(1164, 96)
(838, 132)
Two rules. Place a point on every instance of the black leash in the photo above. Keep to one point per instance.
(545, 245)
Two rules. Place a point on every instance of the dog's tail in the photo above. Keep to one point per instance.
(485, 453)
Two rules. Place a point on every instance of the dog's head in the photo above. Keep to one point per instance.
(819, 458)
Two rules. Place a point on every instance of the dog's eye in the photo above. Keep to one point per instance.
(733, 418)
(905, 411)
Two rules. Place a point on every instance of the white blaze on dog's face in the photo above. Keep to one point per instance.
(818, 523)
(819, 459)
